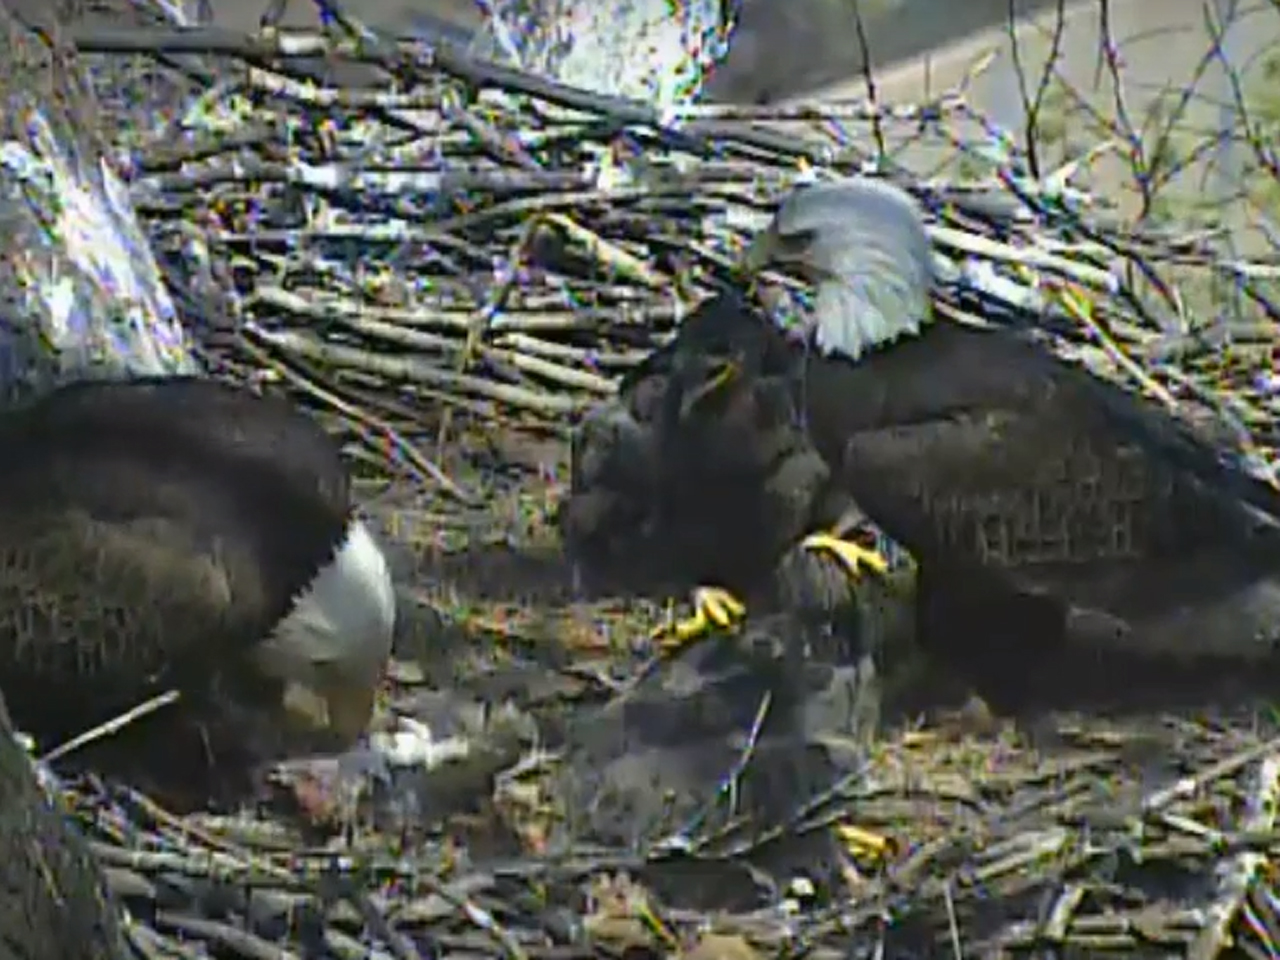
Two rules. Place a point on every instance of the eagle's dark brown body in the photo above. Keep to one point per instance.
(1014, 463)
(712, 493)
(613, 473)
(152, 535)
(1009, 473)
(53, 901)
(1041, 504)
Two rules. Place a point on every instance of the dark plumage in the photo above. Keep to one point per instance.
(53, 900)
(182, 532)
(1006, 471)
(705, 486)
(613, 472)
(647, 765)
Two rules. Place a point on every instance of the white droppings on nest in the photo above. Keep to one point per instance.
(807, 174)
(609, 174)
(750, 220)
(222, 109)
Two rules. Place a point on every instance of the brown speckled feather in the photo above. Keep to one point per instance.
(1005, 470)
(987, 456)
(149, 534)
(1005, 456)
(108, 604)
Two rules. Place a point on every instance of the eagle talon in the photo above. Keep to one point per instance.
(713, 609)
(864, 846)
(854, 556)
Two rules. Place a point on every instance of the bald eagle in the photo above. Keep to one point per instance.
(53, 898)
(177, 532)
(1006, 471)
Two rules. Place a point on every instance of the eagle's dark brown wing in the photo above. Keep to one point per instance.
(224, 420)
(96, 616)
(229, 465)
(1010, 463)
(149, 535)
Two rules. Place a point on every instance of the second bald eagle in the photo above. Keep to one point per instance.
(169, 532)
(1005, 470)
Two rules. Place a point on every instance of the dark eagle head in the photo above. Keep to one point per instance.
(864, 245)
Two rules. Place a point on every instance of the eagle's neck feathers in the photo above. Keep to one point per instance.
(344, 618)
(856, 319)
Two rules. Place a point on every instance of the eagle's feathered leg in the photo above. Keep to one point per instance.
(800, 513)
(827, 526)
(714, 608)
(861, 844)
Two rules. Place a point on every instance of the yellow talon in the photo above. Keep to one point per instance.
(864, 846)
(713, 608)
(721, 606)
(854, 556)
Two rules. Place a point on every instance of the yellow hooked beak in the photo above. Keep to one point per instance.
(724, 376)
(790, 253)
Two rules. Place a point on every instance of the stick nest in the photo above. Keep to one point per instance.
(410, 240)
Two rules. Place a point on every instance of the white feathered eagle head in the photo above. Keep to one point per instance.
(863, 243)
